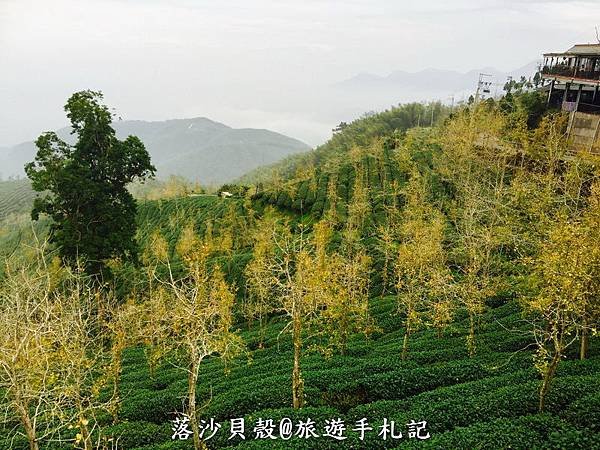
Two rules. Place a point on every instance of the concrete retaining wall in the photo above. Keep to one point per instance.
(584, 131)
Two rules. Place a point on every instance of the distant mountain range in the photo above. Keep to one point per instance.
(213, 153)
(428, 83)
(199, 149)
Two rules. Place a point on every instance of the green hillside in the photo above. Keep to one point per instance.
(475, 229)
(486, 401)
(16, 197)
(198, 149)
(360, 132)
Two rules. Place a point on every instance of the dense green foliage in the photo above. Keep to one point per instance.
(468, 402)
(93, 214)
(360, 132)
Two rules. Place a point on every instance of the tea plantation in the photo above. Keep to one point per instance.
(486, 401)
(16, 196)
(489, 401)
(442, 396)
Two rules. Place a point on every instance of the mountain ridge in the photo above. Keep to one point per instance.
(197, 148)
(422, 79)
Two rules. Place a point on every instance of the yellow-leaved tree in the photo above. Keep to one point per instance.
(566, 308)
(123, 329)
(51, 357)
(296, 285)
(260, 301)
(343, 282)
(189, 318)
(320, 293)
(422, 276)
(476, 148)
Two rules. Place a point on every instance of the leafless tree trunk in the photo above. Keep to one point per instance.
(405, 345)
(471, 338)
(547, 379)
(27, 423)
(585, 342)
(192, 413)
(297, 382)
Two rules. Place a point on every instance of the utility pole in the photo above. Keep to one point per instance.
(482, 85)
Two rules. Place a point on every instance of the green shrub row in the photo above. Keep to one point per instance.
(526, 432)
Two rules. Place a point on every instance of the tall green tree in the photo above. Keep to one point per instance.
(84, 185)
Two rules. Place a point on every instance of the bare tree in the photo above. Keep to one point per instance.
(50, 355)
(259, 301)
(189, 318)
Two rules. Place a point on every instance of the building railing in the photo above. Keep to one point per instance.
(571, 72)
(588, 108)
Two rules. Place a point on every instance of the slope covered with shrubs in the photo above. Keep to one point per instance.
(16, 197)
(467, 402)
(478, 312)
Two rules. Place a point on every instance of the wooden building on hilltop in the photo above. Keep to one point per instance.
(572, 82)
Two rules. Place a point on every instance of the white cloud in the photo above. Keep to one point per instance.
(158, 58)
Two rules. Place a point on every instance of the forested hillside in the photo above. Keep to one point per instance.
(199, 149)
(401, 286)
(361, 132)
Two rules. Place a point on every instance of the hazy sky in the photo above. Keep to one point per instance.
(252, 63)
